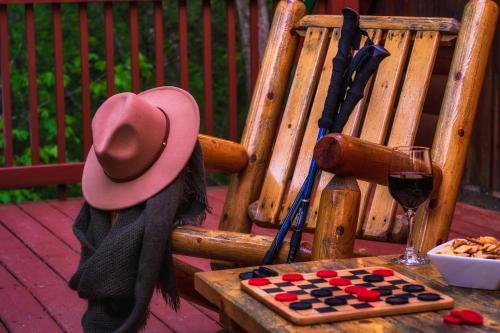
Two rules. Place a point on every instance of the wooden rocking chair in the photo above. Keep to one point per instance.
(277, 144)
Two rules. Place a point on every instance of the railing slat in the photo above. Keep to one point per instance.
(32, 86)
(183, 45)
(134, 48)
(254, 42)
(85, 77)
(6, 97)
(231, 68)
(158, 18)
(207, 67)
(110, 49)
(59, 84)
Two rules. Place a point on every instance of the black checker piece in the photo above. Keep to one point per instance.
(362, 305)
(246, 275)
(273, 290)
(395, 282)
(373, 278)
(300, 305)
(406, 295)
(351, 277)
(429, 297)
(359, 272)
(366, 284)
(323, 292)
(335, 301)
(308, 286)
(311, 300)
(284, 284)
(325, 310)
(413, 288)
(395, 300)
(317, 281)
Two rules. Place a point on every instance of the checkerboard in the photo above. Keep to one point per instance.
(320, 312)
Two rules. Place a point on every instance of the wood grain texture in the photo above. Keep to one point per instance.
(380, 217)
(382, 98)
(238, 247)
(338, 215)
(291, 131)
(222, 289)
(352, 128)
(456, 118)
(446, 25)
(263, 115)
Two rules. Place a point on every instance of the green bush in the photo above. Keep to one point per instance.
(72, 88)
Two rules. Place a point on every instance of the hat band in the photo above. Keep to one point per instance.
(153, 161)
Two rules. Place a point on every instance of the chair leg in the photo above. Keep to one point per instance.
(337, 218)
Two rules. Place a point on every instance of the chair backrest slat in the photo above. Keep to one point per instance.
(310, 135)
(351, 128)
(404, 128)
(292, 126)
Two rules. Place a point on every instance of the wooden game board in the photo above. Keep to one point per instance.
(354, 309)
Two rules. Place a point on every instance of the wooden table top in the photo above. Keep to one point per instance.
(222, 288)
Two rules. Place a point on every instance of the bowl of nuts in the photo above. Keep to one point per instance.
(469, 262)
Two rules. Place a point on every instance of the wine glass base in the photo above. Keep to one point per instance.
(413, 260)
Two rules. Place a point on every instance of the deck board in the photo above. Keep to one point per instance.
(39, 253)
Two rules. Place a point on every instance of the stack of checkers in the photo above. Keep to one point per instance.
(330, 295)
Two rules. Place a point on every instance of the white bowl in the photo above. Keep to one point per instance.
(466, 272)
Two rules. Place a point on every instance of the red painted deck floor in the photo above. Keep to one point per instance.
(38, 254)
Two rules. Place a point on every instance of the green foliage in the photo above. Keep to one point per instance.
(72, 75)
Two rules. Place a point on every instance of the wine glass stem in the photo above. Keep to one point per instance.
(410, 249)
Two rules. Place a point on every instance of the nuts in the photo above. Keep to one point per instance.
(485, 247)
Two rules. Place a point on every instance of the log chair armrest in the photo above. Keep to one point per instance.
(223, 155)
(247, 249)
(345, 155)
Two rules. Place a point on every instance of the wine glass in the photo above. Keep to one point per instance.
(410, 183)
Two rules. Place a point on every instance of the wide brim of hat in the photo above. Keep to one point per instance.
(103, 193)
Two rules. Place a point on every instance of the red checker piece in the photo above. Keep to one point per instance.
(292, 277)
(355, 289)
(383, 272)
(285, 297)
(456, 313)
(326, 274)
(368, 296)
(258, 282)
(339, 282)
(450, 319)
(471, 317)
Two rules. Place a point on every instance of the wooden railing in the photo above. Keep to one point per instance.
(63, 172)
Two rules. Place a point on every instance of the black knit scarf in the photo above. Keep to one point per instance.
(122, 264)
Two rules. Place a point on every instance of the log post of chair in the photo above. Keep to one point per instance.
(263, 115)
(456, 119)
(345, 155)
(337, 219)
(247, 249)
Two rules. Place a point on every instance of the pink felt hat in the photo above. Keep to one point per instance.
(141, 143)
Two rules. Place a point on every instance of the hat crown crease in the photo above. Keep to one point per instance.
(129, 134)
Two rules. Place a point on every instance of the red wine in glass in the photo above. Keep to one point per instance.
(410, 189)
(410, 184)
